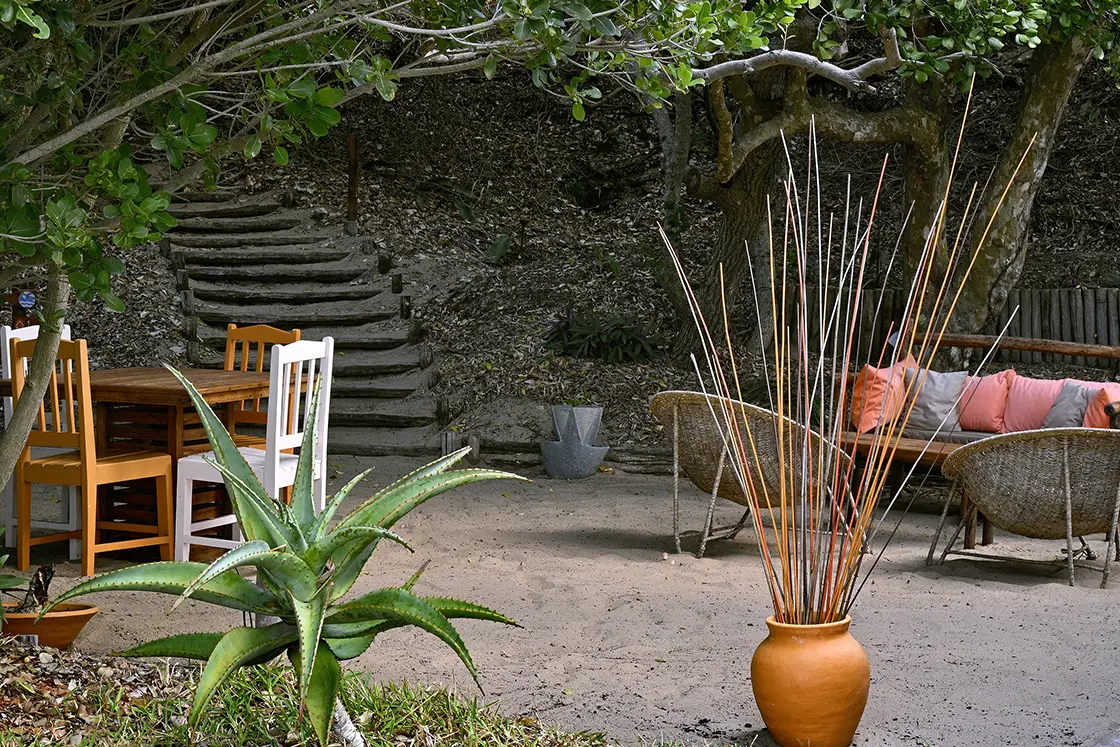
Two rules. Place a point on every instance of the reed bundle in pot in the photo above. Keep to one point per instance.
(814, 527)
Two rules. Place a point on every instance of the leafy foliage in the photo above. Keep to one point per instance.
(613, 338)
(304, 568)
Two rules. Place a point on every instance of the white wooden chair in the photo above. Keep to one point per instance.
(306, 361)
(71, 515)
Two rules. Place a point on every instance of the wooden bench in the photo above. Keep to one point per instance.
(914, 450)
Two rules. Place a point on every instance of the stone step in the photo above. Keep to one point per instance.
(293, 293)
(421, 441)
(366, 337)
(210, 195)
(288, 316)
(372, 413)
(251, 224)
(275, 238)
(380, 362)
(225, 208)
(393, 386)
(268, 254)
(324, 272)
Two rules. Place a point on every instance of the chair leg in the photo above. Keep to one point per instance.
(1113, 545)
(164, 510)
(89, 526)
(676, 487)
(711, 507)
(953, 539)
(184, 500)
(23, 525)
(1069, 514)
(941, 524)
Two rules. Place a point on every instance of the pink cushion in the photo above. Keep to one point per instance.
(984, 403)
(1095, 416)
(1094, 385)
(877, 395)
(1028, 401)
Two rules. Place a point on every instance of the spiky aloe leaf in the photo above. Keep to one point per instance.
(322, 689)
(387, 507)
(324, 517)
(286, 569)
(318, 554)
(250, 516)
(237, 648)
(309, 617)
(274, 514)
(400, 606)
(170, 577)
(449, 608)
(185, 646)
(350, 648)
(303, 500)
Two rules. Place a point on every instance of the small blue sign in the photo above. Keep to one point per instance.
(27, 300)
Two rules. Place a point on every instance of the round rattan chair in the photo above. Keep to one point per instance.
(1047, 484)
(697, 422)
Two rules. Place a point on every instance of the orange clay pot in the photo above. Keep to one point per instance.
(57, 629)
(810, 683)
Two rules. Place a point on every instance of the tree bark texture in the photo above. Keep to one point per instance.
(14, 438)
(1053, 74)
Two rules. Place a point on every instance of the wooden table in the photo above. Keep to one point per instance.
(150, 406)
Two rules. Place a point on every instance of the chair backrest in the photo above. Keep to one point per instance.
(701, 442)
(1019, 480)
(65, 418)
(253, 343)
(295, 371)
(7, 334)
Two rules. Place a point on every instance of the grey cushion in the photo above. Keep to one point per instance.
(951, 437)
(1068, 410)
(937, 400)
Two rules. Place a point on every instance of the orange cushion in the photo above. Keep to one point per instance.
(878, 394)
(984, 403)
(1094, 415)
(1028, 402)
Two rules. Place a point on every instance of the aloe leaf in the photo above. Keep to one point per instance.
(321, 522)
(449, 608)
(303, 502)
(349, 568)
(171, 577)
(350, 648)
(318, 554)
(458, 608)
(387, 508)
(271, 513)
(407, 585)
(309, 617)
(249, 515)
(184, 646)
(235, 649)
(286, 570)
(398, 605)
(322, 690)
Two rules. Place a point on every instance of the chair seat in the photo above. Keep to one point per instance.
(199, 467)
(114, 464)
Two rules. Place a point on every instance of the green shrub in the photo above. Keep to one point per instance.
(614, 338)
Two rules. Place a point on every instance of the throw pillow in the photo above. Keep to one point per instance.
(1028, 402)
(877, 395)
(1070, 406)
(984, 403)
(936, 402)
(1095, 416)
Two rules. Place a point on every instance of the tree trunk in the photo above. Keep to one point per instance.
(1054, 71)
(14, 438)
(344, 727)
(674, 130)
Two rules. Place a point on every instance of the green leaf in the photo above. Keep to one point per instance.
(227, 590)
(324, 517)
(522, 30)
(350, 648)
(330, 97)
(490, 69)
(458, 608)
(185, 646)
(309, 617)
(578, 112)
(235, 649)
(303, 489)
(113, 302)
(292, 573)
(252, 147)
(280, 155)
(302, 88)
(400, 606)
(318, 554)
(24, 14)
(389, 506)
(322, 691)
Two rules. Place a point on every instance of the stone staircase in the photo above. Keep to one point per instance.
(261, 260)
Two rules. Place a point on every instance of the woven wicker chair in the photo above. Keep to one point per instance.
(1046, 484)
(699, 451)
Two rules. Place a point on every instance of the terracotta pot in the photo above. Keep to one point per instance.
(57, 629)
(810, 683)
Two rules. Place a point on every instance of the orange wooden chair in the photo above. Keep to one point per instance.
(255, 343)
(71, 427)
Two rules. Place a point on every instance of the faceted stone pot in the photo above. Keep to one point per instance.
(810, 683)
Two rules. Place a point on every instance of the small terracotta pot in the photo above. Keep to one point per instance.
(810, 683)
(57, 629)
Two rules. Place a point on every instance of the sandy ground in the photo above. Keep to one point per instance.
(622, 638)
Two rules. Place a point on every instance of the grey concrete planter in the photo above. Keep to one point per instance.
(574, 454)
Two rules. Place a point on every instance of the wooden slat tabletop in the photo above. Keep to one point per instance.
(156, 386)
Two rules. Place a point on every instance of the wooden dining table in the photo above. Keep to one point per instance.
(149, 406)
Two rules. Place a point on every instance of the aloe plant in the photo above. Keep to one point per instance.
(305, 567)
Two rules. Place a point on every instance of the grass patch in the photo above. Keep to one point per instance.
(258, 706)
